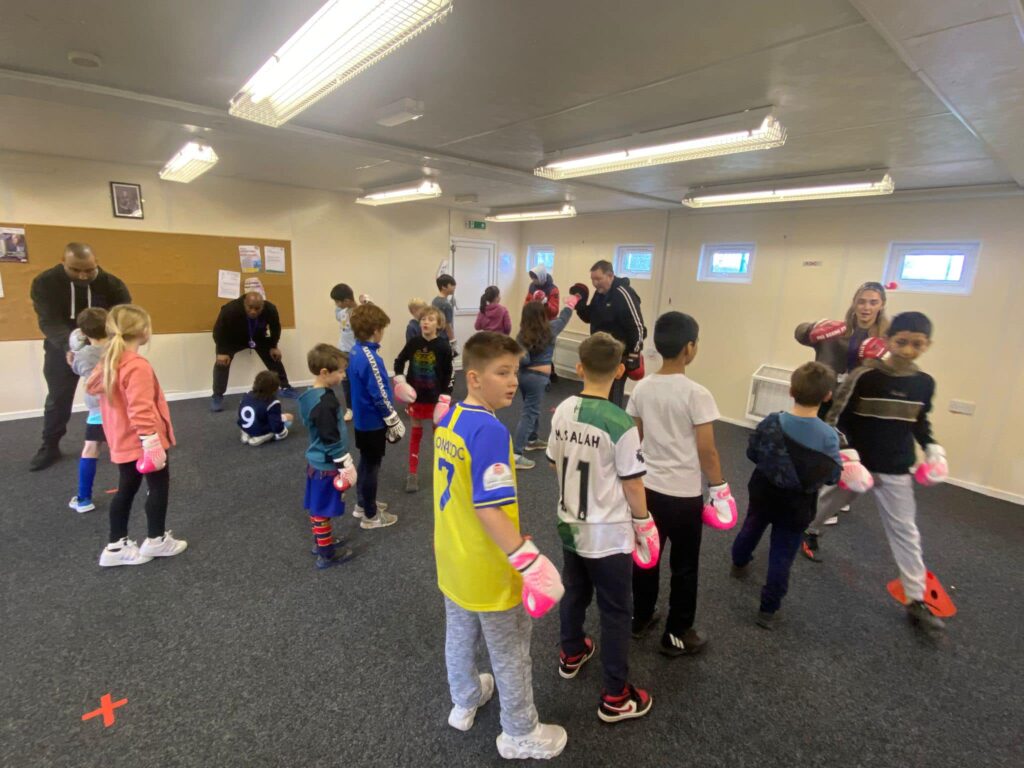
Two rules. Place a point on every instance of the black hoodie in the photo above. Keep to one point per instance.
(617, 312)
(233, 329)
(58, 299)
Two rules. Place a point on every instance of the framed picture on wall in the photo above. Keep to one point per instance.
(126, 200)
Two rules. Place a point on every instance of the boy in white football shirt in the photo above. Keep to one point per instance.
(602, 520)
(675, 417)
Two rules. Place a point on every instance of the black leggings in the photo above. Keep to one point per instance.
(156, 502)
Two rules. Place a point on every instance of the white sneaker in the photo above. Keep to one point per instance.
(524, 463)
(834, 520)
(83, 505)
(845, 508)
(261, 439)
(244, 438)
(546, 741)
(382, 520)
(348, 414)
(123, 552)
(462, 719)
(164, 546)
(358, 511)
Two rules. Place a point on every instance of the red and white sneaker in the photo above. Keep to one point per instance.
(632, 702)
(569, 666)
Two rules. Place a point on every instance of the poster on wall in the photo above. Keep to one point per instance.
(228, 284)
(275, 258)
(12, 244)
(126, 199)
(250, 258)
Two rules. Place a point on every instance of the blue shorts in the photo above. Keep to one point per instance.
(322, 498)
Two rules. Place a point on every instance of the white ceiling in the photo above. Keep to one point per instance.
(932, 89)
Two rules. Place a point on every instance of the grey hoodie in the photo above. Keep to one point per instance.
(87, 357)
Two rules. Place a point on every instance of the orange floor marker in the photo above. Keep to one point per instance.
(935, 596)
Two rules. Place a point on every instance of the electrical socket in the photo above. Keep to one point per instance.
(961, 406)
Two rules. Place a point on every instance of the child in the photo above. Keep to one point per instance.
(87, 342)
(602, 517)
(675, 416)
(376, 421)
(137, 424)
(412, 328)
(537, 336)
(445, 289)
(485, 568)
(329, 470)
(880, 410)
(432, 377)
(344, 303)
(796, 453)
(259, 414)
(492, 315)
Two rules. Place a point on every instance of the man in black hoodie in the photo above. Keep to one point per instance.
(58, 295)
(614, 309)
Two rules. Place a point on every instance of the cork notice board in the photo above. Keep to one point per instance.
(174, 276)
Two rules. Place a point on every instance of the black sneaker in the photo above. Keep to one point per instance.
(739, 571)
(809, 548)
(216, 403)
(337, 541)
(641, 627)
(918, 613)
(765, 620)
(340, 556)
(687, 644)
(48, 454)
(569, 666)
(631, 703)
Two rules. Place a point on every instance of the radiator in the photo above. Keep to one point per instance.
(769, 391)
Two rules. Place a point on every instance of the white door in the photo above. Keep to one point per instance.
(474, 267)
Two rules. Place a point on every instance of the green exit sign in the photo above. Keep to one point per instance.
(473, 224)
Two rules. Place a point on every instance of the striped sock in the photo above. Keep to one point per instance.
(322, 535)
(86, 476)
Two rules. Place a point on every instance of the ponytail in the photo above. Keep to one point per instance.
(490, 293)
(125, 323)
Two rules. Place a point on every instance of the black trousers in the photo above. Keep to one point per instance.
(680, 525)
(61, 383)
(128, 485)
(610, 576)
(221, 372)
(618, 391)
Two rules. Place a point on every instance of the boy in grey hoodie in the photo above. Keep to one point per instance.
(87, 342)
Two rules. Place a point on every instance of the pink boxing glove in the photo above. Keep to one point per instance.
(824, 330)
(542, 586)
(572, 301)
(934, 469)
(648, 543)
(154, 457)
(346, 476)
(873, 348)
(444, 404)
(720, 511)
(538, 296)
(404, 393)
(855, 475)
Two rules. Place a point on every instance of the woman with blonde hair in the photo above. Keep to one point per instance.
(138, 428)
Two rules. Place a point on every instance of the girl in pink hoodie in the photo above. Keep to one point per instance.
(492, 315)
(137, 424)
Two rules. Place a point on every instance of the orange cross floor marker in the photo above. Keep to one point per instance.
(106, 709)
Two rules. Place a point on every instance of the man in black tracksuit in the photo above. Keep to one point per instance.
(58, 295)
(248, 322)
(614, 309)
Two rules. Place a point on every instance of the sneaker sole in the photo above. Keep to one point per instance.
(570, 675)
(620, 716)
(138, 561)
(164, 554)
(514, 753)
(80, 510)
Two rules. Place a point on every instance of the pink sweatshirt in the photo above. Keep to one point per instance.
(494, 318)
(137, 408)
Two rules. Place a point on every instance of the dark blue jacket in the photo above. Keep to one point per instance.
(260, 417)
(371, 389)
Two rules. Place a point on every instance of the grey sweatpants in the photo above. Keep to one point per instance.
(894, 496)
(507, 637)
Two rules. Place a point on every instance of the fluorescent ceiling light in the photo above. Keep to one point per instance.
(745, 132)
(534, 213)
(192, 161)
(341, 40)
(879, 183)
(402, 111)
(423, 190)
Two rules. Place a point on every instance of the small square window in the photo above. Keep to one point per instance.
(634, 261)
(726, 262)
(540, 254)
(932, 267)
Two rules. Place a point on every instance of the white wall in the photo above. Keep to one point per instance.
(391, 253)
(978, 355)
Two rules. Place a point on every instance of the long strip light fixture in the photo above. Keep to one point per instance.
(342, 39)
(401, 193)
(192, 160)
(534, 213)
(744, 132)
(793, 190)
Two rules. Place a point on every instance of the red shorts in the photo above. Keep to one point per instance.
(421, 411)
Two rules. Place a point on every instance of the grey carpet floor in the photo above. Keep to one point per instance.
(240, 653)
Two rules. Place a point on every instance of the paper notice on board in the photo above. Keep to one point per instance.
(228, 284)
(250, 258)
(275, 258)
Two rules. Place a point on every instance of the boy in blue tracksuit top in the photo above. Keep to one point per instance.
(376, 421)
(330, 470)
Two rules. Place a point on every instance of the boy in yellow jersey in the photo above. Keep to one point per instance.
(485, 568)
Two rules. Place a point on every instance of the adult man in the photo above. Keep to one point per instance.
(250, 322)
(58, 295)
(543, 288)
(615, 309)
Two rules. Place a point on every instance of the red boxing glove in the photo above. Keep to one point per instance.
(873, 348)
(444, 404)
(635, 367)
(538, 296)
(824, 330)
(647, 542)
(542, 584)
(346, 476)
(154, 457)
(404, 392)
(572, 301)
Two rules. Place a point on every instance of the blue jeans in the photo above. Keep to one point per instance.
(785, 542)
(532, 384)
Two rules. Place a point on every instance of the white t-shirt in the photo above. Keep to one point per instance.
(671, 406)
(594, 446)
